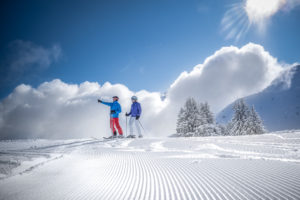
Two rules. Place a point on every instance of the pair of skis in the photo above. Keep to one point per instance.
(112, 138)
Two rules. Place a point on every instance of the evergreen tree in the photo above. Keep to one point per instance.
(239, 122)
(208, 130)
(188, 118)
(223, 130)
(207, 125)
(207, 116)
(197, 120)
(245, 121)
(254, 123)
(181, 122)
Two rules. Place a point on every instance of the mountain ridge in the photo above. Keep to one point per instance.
(278, 105)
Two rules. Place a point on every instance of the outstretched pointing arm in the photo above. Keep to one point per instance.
(106, 103)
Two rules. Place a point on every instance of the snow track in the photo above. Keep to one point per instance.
(248, 167)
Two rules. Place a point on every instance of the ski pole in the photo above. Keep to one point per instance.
(141, 125)
(111, 125)
(126, 126)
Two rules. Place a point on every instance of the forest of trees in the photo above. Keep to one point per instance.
(196, 119)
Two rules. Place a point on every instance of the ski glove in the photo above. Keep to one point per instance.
(127, 114)
(112, 112)
(99, 101)
(137, 117)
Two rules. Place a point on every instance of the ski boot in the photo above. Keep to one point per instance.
(109, 138)
(130, 136)
(115, 134)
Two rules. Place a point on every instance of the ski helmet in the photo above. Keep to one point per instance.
(134, 98)
(115, 97)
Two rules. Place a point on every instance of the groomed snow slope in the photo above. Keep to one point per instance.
(241, 167)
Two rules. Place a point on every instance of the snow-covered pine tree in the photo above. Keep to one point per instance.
(207, 127)
(208, 130)
(222, 128)
(188, 118)
(181, 122)
(197, 120)
(238, 124)
(254, 123)
(207, 116)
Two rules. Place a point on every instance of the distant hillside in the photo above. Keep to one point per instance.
(278, 105)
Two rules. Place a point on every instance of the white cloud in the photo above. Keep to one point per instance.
(59, 110)
(228, 74)
(26, 59)
(25, 55)
(241, 16)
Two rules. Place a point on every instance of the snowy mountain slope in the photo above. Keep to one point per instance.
(240, 167)
(278, 105)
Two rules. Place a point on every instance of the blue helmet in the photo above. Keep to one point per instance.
(134, 98)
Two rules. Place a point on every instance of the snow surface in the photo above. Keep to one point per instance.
(232, 167)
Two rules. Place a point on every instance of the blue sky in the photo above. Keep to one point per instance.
(141, 44)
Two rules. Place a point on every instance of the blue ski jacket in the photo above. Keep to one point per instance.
(136, 109)
(114, 106)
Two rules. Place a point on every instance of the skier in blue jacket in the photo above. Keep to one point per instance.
(115, 109)
(135, 113)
